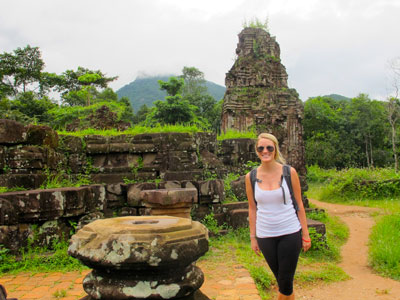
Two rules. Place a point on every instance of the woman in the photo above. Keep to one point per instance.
(275, 229)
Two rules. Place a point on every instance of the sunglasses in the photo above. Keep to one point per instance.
(269, 148)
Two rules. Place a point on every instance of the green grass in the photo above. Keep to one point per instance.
(38, 259)
(384, 250)
(234, 134)
(344, 187)
(355, 185)
(4, 189)
(134, 130)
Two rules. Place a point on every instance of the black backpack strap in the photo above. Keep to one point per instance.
(288, 178)
(253, 179)
(3, 293)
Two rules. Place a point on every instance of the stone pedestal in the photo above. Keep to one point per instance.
(171, 202)
(141, 257)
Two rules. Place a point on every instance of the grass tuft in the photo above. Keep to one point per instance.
(384, 250)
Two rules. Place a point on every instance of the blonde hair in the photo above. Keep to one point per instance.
(278, 155)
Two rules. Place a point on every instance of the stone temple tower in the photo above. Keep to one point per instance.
(257, 96)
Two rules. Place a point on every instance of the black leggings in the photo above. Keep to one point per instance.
(282, 254)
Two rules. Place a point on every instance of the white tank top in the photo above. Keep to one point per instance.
(274, 218)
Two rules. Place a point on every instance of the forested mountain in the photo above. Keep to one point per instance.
(146, 90)
(334, 97)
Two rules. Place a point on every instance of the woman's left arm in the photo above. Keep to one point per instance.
(306, 241)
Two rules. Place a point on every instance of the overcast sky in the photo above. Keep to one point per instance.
(327, 46)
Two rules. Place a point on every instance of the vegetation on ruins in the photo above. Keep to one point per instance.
(256, 23)
(235, 134)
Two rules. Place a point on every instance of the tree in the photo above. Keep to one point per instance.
(175, 109)
(141, 114)
(21, 71)
(326, 140)
(36, 108)
(194, 82)
(393, 107)
(195, 91)
(78, 86)
(367, 119)
(393, 114)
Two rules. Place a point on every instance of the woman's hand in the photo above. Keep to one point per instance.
(254, 246)
(306, 243)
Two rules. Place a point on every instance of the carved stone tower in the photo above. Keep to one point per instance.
(257, 95)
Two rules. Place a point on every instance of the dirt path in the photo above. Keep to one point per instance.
(364, 284)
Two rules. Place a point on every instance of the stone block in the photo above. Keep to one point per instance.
(3, 165)
(238, 218)
(75, 200)
(169, 185)
(8, 214)
(28, 181)
(239, 188)
(206, 141)
(120, 147)
(71, 144)
(89, 218)
(15, 237)
(42, 136)
(52, 231)
(211, 191)
(143, 148)
(115, 162)
(54, 159)
(97, 148)
(144, 176)
(227, 207)
(96, 198)
(190, 184)
(27, 204)
(319, 227)
(115, 189)
(112, 178)
(96, 139)
(189, 146)
(180, 212)
(169, 197)
(26, 157)
(128, 211)
(121, 138)
(76, 162)
(114, 201)
(149, 159)
(182, 175)
(12, 132)
(200, 211)
(52, 203)
(210, 160)
(134, 197)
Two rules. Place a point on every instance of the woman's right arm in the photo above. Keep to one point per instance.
(252, 214)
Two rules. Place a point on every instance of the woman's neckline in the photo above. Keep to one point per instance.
(258, 184)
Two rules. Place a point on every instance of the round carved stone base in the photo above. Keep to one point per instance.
(197, 295)
(172, 284)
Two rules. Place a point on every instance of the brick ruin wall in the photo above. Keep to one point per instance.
(119, 168)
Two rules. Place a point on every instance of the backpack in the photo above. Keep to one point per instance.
(286, 175)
